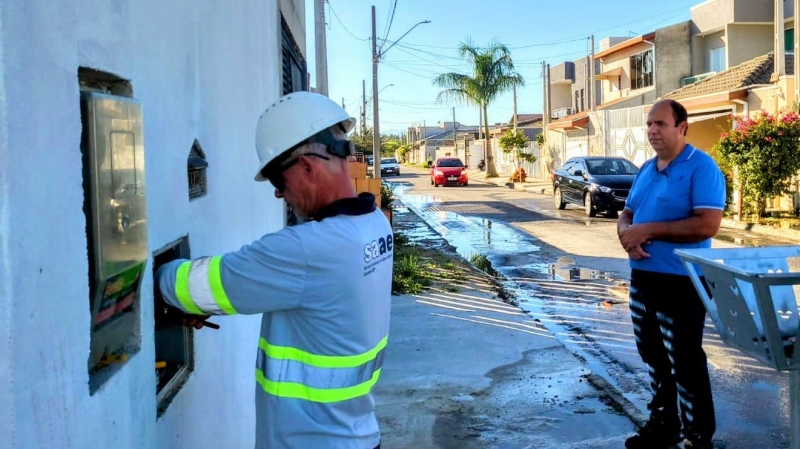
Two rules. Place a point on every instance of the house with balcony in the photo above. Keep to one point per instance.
(726, 33)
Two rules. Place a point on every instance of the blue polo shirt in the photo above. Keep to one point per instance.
(691, 181)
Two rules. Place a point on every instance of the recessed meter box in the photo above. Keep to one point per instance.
(116, 211)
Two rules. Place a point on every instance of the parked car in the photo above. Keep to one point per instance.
(370, 164)
(598, 183)
(389, 166)
(449, 171)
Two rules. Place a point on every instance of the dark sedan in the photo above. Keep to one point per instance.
(598, 183)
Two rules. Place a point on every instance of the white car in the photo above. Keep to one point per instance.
(389, 166)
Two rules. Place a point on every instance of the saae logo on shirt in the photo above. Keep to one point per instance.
(377, 248)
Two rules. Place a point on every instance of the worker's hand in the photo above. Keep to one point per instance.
(198, 321)
(638, 253)
(634, 236)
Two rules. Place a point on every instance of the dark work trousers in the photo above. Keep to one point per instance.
(668, 319)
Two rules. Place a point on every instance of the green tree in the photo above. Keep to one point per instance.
(403, 151)
(389, 145)
(516, 141)
(362, 138)
(763, 154)
(491, 74)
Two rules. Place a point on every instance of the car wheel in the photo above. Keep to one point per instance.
(557, 200)
(466, 184)
(613, 214)
(588, 205)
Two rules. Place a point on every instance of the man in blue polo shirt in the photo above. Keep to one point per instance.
(676, 201)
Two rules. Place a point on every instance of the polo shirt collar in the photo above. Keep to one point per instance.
(363, 204)
(685, 155)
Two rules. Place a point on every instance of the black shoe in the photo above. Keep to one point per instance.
(654, 435)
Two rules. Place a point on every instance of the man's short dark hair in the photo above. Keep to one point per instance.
(678, 112)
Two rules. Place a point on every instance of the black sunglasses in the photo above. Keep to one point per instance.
(275, 176)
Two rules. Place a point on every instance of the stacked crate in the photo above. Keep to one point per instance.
(358, 177)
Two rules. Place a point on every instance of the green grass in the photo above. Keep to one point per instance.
(417, 269)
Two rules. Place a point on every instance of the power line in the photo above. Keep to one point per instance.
(564, 40)
(342, 24)
(389, 27)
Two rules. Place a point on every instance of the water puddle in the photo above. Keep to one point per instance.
(469, 235)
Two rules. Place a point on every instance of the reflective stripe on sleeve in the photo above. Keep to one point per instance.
(199, 287)
(182, 289)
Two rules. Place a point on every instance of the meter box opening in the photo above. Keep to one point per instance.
(115, 204)
(174, 342)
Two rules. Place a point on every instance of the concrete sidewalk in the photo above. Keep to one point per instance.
(468, 370)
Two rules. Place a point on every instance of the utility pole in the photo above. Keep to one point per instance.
(455, 147)
(343, 106)
(376, 133)
(515, 106)
(592, 83)
(545, 113)
(796, 52)
(549, 91)
(364, 102)
(321, 47)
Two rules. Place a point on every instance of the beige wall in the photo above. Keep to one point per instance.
(294, 11)
(701, 45)
(746, 42)
(754, 10)
(704, 134)
(560, 96)
(712, 15)
(767, 99)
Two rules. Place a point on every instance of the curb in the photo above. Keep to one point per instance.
(623, 405)
(781, 233)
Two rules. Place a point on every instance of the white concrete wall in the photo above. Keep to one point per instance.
(202, 70)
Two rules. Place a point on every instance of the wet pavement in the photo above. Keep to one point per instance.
(466, 370)
(536, 249)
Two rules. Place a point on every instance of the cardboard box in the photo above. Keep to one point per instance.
(358, 169)
(370, 185)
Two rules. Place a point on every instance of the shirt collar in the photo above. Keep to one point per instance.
(685, 155)
(363, 204)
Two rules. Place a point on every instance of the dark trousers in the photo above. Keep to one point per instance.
(668, 319)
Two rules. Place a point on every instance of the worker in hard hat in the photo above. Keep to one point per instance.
(323, 287)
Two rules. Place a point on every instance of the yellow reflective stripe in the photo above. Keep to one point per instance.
(217, 290)
(326, 395)
(321, 361)
(182, 289)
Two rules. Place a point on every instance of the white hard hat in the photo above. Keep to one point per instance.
(291, 120)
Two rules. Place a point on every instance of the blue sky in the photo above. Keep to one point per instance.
(553, 31)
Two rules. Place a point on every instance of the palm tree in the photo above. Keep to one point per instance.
(492, 75)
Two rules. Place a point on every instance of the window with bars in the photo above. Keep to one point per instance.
(294, 65)
(642, 70)
(294, 79)
(197, 165)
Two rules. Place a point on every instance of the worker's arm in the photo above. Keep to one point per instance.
(265, 276)
(708, 202)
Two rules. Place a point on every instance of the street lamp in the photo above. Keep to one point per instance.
(376, 132)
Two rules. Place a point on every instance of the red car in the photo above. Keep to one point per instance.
(449, 171)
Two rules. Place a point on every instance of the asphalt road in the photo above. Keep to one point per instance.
(523, 235)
